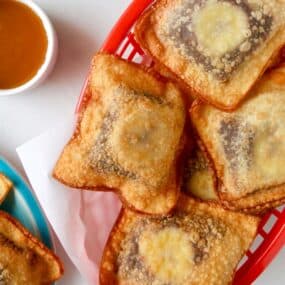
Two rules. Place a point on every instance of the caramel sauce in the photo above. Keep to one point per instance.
(23, 44)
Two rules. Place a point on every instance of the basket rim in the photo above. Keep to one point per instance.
(274, 240)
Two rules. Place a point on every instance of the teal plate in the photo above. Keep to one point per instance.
(22, 204)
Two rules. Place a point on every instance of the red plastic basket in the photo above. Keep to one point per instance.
(271, 233)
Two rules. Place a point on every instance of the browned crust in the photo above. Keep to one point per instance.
(87, 93)
(146, 37)
(174, 178)
(256, 203)
(209, 205)
(165, 72)
(207, 155)
(259, 210)
(39, 247)
(5, 187)
(103, 188)
(126, 218)
(246, 204)
(107, 275)
(278, 60)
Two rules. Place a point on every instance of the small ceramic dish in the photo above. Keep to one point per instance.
(50, 57)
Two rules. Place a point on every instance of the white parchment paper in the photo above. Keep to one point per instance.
(82, 220)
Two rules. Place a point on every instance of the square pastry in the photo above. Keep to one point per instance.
(197, 244)
(200, 182)
(247, 146)
(24, 260)
(128, 138)
(218, 47)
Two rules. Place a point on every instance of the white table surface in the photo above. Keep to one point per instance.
(81, 26)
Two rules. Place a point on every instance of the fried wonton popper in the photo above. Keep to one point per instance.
(197, 244)
(23, 258)
(128, 138)
(218, 47)
(200, 181)
(247, 146)
(5, 187)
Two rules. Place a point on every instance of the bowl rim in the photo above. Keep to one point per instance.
(50, 56)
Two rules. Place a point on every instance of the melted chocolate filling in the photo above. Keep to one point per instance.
(237, 141)
(182, 37)
(100, 158)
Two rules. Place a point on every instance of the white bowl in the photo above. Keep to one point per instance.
(51, 53)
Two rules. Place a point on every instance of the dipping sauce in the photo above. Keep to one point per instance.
(23, 44)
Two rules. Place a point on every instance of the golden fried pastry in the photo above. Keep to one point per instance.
(200, 182)
(197, 244)
(5, 187)
(23, 258)
(247, 146)
(258, 202)
(128, 137)
(199, 177)
(186, 90)
(219, 48)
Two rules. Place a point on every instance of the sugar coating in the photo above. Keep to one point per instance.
(237, 137)
(128, 137)
(254, 148)
(178, 248)
(135, 137)
(198, 243)
(247, 146)
(216, 35)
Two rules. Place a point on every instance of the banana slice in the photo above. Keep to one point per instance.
(200, 184)
(162, 256)
(199, 177)
(220, 27)
(140, 138)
